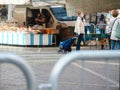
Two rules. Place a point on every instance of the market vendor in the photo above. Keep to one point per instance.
(41, 20)
(3, 12)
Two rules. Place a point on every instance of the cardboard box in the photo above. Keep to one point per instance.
(54, 31)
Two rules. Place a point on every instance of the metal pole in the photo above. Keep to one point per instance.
(107, 75)
(10, 11)
(13, 59)
(119, 74)
(0, 77)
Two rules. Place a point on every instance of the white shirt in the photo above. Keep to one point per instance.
(79, 26)
(114, 27)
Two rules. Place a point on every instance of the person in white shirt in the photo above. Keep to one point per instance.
(87, 27)
(108, 29)
(79, 29)
(113, 24)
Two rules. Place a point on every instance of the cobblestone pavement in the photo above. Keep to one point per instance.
(42, 61)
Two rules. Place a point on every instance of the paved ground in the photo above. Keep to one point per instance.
(42, 61)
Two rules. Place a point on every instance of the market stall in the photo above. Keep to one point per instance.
(30, 36)
(13, 33)
(13, 38)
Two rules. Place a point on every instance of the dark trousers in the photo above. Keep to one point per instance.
(102, 31)
(109, 41)
(80, 38)
(113, 43)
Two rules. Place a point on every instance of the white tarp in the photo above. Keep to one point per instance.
(37, 4)
(44, 0)
(49, 1)
(13, 1)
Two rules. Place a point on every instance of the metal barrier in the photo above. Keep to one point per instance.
(78, 55)
(13, 59)
(60, 65)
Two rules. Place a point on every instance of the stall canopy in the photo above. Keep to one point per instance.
(13, 1)
(49, 1)
(91, 6)
(37, 3)
(45, 0)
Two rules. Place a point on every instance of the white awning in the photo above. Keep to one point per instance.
(50, 1)
(14, 1)
(37, 4)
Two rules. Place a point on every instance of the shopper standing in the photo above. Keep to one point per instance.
(79, 29)
(108, 29)
(102, 24)
(102, 27)
(87, 27)
(113, 23)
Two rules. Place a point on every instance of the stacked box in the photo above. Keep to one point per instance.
(66, 33)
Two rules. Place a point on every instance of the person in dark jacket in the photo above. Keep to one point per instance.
(3, 12)
(41, 19)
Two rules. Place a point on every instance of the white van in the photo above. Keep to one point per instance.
(56, 15)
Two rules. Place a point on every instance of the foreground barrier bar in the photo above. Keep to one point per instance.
(78, 55)
(13, 59)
